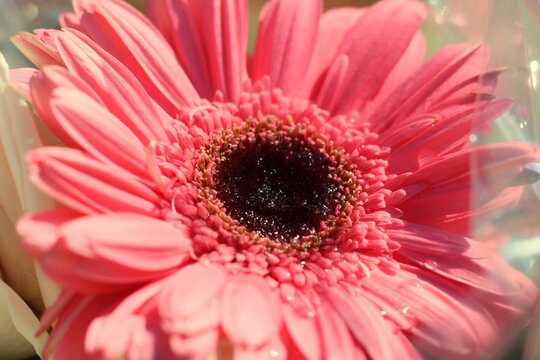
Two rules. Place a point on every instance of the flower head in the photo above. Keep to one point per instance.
(312, 201)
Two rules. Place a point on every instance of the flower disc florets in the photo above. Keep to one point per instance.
(276, 183)
(290, 182)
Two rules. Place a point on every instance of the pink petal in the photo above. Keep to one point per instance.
(87, 185)
(207, 318)
(407, 132)
(462, 223)
(66, 344)
(372, 60)
(336, 339)
(87, 260)
(453, 85)
(482, 85)
(304, 332)
(468, 327)
(443, 132)
(275, 349)
(134, 41)
(411, 95)
(178, 24)
(92, 277)
(457, 258)
(36, 48)
(198, 346)
(68, 335)
(377, 336)
(444, 129)
(42, 87)
(20, 78)
(98, 132)
(40, 231)
(329, 91)
(246, 298)
(438, 243)
(121, 331)
(189, 300)
(411, 60)
(70, 20)
(115, 85)
(285, 43)
(333, 27)
(134, 241)
(65, 299)
(128, 324)
(448, 179)
(224, 34)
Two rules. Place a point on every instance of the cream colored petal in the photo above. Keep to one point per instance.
(49, 290)
(16, 268)
(17, 327)
(18, 135)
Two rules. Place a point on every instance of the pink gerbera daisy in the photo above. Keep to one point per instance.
(311, 201)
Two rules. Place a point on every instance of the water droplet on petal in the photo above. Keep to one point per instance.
(383, 313)
(405, 310)
(431, 265)
(273, 353)
(311, 314)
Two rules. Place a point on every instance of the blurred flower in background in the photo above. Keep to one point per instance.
(19, 15)
(22, 298)
(24, 291)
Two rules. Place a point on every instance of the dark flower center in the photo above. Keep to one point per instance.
(281, 189)
(274, 183)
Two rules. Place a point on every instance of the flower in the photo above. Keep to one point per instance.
(311, 201)
(20, 293)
